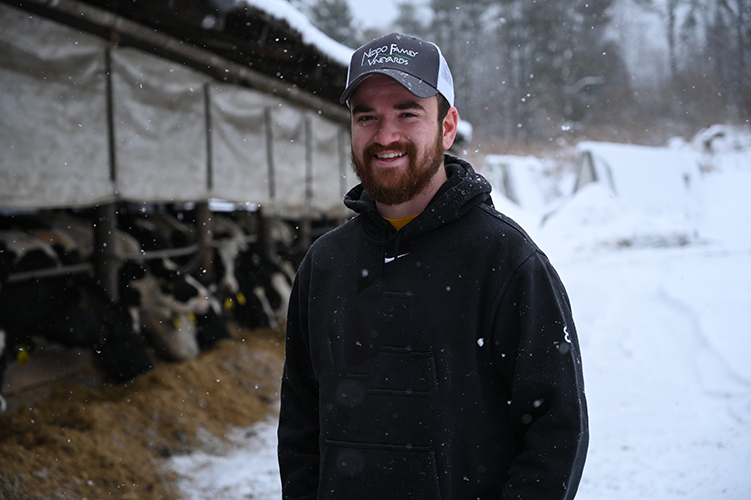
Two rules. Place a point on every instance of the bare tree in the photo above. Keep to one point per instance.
(729, 39)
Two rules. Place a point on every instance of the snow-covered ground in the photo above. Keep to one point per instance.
(657, 262)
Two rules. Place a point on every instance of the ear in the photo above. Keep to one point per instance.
(450, 124)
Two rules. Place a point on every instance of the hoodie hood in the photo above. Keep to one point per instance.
(463, 190)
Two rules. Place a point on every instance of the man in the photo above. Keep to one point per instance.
(431, 351)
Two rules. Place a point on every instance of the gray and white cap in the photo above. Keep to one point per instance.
(416, 64)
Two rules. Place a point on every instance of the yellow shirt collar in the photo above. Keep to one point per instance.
(400, 223)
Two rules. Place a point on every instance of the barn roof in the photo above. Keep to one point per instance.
(267, 45)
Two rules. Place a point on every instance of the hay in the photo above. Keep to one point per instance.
(105, 440)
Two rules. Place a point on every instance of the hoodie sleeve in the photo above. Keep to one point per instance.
(540, 363)
(298, 448)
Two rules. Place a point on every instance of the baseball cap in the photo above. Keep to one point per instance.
(416, 64)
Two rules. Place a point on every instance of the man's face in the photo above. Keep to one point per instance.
(397, 141)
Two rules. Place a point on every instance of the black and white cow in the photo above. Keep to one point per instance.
(244, 299)
(68, 309)
(260, 282)
(179, 313)
(165, 304)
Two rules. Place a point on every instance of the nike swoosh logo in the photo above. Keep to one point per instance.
(387, 260)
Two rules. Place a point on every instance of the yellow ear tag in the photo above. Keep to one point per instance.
(22, 356)
(176, 322)
(241, 298)
(228, 303)
(192, 317)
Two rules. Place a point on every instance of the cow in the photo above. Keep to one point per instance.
(248, 302)
(169, 307)
(262, 276)
(255, 284)
(180, 314)
(165, 303)
(69, 309)
(229, 241)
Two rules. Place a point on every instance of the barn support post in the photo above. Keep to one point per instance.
(110, 110)
(209, 145)
(263, 231)
(204, 224)
(205, 237)
(306, 222)
(343, 156)
(269, 137)
(105, 256)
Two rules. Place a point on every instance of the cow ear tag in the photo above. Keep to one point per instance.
(241, 298)
(228, 304)
(22, 355)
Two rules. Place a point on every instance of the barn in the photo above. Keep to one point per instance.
(181, 109)
(108, 101)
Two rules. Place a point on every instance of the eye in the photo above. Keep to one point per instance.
(365, 118)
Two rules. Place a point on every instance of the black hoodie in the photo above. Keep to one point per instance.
(435, 362)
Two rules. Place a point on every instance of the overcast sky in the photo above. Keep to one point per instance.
(370, 13)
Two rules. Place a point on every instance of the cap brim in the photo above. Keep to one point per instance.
(419, 88)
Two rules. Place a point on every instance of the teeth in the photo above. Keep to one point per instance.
(388, 156)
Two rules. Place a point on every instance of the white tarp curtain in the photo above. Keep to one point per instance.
(160, 128)
(239, 167)
(53, 128)
(178, 135)
(328, 142)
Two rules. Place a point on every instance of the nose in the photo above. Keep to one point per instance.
(388, 133)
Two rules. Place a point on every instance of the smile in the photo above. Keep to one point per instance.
(389, 156)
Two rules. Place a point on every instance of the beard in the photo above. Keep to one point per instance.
(394, 186)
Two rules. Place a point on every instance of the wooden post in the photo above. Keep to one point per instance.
(306, 221)
(105, 257)
(205, 237)
(269, 136)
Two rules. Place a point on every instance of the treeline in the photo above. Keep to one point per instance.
(532, 70)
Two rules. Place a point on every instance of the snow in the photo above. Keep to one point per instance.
(661, 292)
(311, 35)
(375, 15)
(246, 470)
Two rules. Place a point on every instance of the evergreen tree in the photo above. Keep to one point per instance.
(408, 22)
(332, 17)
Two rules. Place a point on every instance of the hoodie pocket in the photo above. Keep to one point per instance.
(401, 371)
(361, 471)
